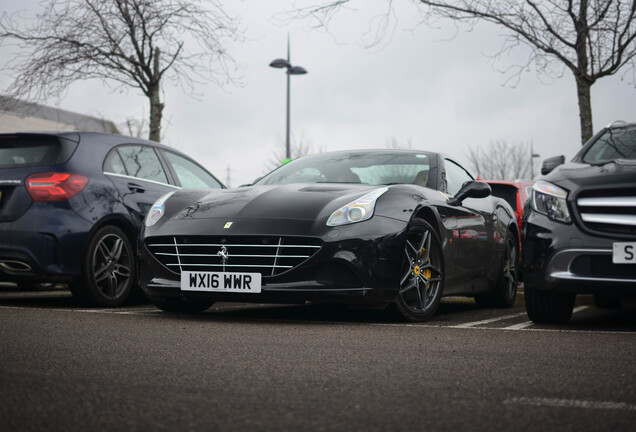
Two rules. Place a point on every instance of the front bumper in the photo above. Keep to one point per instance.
(563, 257)
(356, 264)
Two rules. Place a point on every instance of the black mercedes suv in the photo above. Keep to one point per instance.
(579, 227)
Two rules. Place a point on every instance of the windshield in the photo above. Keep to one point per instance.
(373, 168)
(616, 143)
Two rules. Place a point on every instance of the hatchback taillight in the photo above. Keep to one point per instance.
(54, 186)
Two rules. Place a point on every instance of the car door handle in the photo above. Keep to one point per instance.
(134, 187)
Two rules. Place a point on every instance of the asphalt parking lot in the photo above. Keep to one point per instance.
(311, 367)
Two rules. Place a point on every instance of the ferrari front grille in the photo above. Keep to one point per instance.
(268, 256)
(608, 211)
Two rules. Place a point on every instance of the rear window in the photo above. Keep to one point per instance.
(34, 150)
(507, 192)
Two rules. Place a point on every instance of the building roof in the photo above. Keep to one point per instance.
(19, 116)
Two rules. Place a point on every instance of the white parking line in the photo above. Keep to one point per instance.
(571, 403)
(488, 321)
(525, 324)
(118, 312)
(519, 326)
(522, 326)
(98, 311)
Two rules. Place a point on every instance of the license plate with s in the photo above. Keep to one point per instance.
(624, 253)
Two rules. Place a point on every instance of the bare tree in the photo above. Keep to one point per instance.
(394, 143)
(131, 43)
(300, 146)
(502, 161)
(134, 127)
(590, 38)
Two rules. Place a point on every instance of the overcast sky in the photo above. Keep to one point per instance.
(421, 86)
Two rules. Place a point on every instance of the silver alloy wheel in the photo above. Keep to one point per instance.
(111, 266)
(420, 286)
(510, 268)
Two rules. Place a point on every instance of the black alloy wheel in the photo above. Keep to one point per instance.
(109, 269)
(422, 278)
(505, 290)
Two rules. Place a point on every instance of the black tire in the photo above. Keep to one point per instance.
(108, 272)
(548, 307)
(181, 306)
(505, 291)
(422, 279)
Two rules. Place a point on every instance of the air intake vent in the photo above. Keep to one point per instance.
(609, 211)
(269, 256)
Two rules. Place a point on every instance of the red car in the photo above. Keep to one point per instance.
(514, 192)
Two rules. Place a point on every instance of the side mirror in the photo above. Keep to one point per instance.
(471, 189)
(551, 163)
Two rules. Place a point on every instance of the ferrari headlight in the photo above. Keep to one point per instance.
(157, 210)
(356, 211)
(550, 200)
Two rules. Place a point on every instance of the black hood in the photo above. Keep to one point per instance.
(576, 175)
(294, 201)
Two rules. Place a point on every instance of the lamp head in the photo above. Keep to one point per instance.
(280, 63)
(296, 70)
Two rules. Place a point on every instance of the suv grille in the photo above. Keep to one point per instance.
(609, 211)
(268, 256)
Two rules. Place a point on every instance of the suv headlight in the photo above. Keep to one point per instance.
(157, 210)
(550, 200)
(356, 211)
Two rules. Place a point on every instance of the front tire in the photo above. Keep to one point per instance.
(422, 278)
(548, 307)
(108, 274)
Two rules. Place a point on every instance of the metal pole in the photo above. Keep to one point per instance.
(287, 144)
(531, 161)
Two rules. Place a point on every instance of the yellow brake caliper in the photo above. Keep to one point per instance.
(417, 269)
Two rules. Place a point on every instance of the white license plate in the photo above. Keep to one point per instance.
(221, 282)
(624, 253)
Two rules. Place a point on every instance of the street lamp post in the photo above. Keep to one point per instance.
(291, 70)
(533, 155)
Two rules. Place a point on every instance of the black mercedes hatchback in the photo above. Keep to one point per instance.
(579, 228)
(72, 206)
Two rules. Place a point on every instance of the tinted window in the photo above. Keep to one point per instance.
(190, 174)
(456, 176)
(507, 192)
(34, 150)
(616, 143)
(114, 164)
(142, 162)
(369, 168)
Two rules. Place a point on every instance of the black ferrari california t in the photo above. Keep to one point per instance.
(374, 227)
